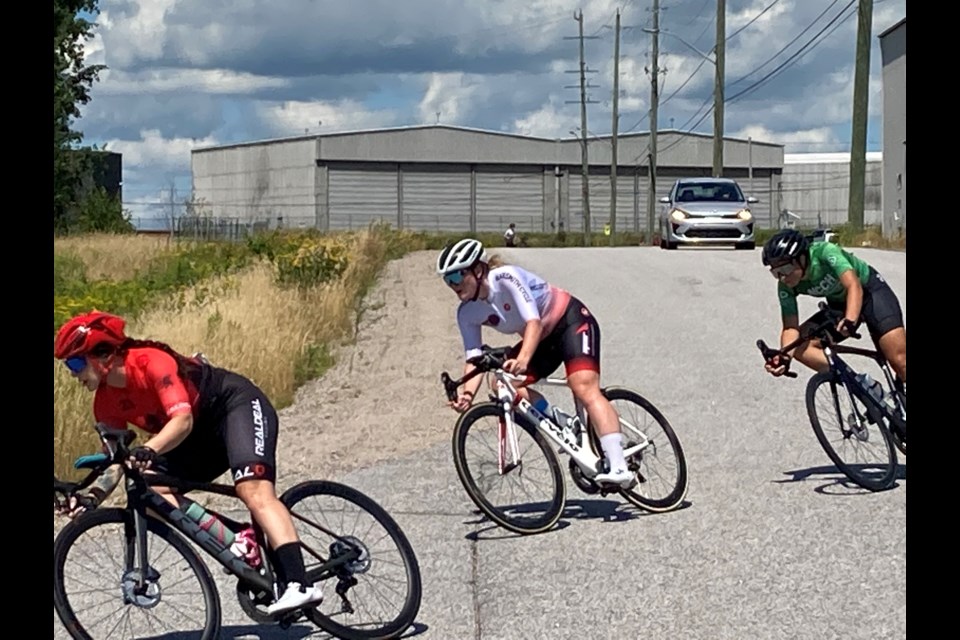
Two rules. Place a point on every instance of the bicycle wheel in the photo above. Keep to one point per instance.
(863, 452)
(376, 596)
(101, 545)
(661, 468)
(508, 499)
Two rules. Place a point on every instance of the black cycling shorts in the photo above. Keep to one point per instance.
(237, 430)
(880, 311)
(574, 342)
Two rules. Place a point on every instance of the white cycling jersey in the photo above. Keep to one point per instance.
(516, 297)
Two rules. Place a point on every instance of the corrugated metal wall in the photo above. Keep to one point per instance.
(506, 195)
(359, 195)
(436, 197)
(600, 189)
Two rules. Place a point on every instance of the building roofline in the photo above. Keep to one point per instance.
(335, 134)
(893, 27)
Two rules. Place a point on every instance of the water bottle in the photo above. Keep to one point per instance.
(210, 523)
(874, 388)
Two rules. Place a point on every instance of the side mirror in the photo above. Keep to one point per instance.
(665, 200)
(751, 199)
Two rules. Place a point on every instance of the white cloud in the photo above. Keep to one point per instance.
(793, 141)
(210, 81)
(153, 150)
(450, 94)
(548, 121)
(292, 118)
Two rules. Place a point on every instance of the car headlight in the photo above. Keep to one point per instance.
(743, 214)
(678, 215)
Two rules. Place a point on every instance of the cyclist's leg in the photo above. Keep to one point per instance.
(249, 432)
(884, 319)
(580, 349)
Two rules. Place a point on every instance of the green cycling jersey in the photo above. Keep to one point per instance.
(827, 261)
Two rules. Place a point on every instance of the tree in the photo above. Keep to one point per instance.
(72, 80)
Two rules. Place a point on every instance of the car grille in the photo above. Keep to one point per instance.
(712, 233)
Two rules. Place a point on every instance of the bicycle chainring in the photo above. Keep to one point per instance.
(583, 483)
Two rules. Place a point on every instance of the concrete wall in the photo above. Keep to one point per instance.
(893, 53)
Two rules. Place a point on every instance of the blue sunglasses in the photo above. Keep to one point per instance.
(453, 278)
(76, 364)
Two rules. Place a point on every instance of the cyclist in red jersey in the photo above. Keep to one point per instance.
(203, 420)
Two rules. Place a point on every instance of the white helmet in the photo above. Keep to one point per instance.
(461, 255)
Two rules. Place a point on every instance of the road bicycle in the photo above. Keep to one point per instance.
(119, 570)
(651, 447)
(869, 416)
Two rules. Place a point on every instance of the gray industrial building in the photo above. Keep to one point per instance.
(450, 178)
(893, 54)
(815, 189)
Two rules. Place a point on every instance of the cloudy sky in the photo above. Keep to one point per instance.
(193, 74)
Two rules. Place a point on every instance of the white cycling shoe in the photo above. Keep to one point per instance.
(622, 477)
(296, 596)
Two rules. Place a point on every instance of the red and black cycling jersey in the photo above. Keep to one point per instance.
(154, 392)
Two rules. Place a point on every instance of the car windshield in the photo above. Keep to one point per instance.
(709, 192)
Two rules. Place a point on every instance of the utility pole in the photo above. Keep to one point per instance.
(858, 137)
(583, 130)
(718, 89)
(654, 104)
(613, 137)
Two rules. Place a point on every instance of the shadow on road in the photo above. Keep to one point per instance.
(582, 509)
(838, 483)
(295, 632)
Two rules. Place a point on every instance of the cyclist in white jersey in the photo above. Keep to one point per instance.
(556, 328)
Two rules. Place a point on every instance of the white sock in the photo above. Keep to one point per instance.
(613, 450)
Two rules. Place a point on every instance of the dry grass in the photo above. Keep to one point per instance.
(113, 256)
(251, 326)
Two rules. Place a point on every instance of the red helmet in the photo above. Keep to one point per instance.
(81, 333)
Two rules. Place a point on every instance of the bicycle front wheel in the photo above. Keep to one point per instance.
(97, 591)
(375, 596)
(863, 451)
(528, 495)
(661, 467)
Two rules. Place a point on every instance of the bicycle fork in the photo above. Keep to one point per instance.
(509, 448)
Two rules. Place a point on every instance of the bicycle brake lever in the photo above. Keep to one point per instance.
(449, 386)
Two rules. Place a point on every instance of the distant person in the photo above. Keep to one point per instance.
(510, 235)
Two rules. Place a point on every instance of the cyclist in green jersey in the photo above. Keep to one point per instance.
(849, 284)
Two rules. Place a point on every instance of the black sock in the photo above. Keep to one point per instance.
(291, 568)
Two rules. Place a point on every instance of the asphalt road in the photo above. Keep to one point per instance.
(772, 543)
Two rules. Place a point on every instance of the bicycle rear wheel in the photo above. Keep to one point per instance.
(661, 468)
(862, 450)
(95, 580)
(508, 499)
(374, 597)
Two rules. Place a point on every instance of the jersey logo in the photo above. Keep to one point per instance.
(165, 381)
(506, 306)
(492, 320)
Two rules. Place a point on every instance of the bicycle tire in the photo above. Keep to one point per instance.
(675, 497)
(521, 526)
(884, 481)
(100, 517)
(410, 608)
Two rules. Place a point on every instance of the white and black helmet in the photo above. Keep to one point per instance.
(460, 255)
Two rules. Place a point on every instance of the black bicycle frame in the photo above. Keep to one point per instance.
(876, 409)
(140, 497)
